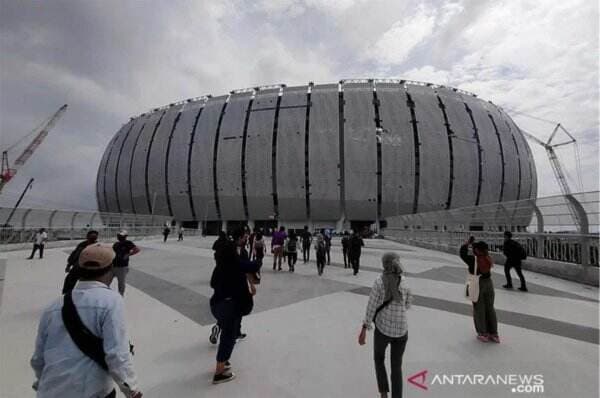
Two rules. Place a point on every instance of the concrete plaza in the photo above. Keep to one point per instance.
(302, 334)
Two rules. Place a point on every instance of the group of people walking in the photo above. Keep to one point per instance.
(87, 324)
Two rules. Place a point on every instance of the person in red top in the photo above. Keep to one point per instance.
(484, 314)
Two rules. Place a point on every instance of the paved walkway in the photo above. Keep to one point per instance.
(302, 335)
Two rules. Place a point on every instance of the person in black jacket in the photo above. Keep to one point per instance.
(355, 247)
(514, 253)
(345, 247)
(72, 269)
(231, 300)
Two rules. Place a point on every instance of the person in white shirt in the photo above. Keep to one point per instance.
(62, 369)
(388, 302)
(40, 239)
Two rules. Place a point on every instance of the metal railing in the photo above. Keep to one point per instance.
(69, 225)
(546, 227)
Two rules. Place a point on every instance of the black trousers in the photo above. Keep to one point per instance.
(328, 253)
(355, 262)
(517, 266)
(35, 248)
(345, 254)
(398, 345)
(306, 252)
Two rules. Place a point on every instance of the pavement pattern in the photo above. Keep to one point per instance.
(302, 333)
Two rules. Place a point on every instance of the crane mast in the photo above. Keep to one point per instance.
(7, 173)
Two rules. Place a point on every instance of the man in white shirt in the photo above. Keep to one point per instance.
(40, 239)
(61, 367)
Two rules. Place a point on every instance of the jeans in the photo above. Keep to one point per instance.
(484, 314)
(35, 247)
(121, 274)
(398, 344)
(230, 322)
(517, 266)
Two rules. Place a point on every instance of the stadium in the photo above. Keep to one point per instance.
(331, 155)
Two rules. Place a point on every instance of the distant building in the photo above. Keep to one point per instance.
(331, 154)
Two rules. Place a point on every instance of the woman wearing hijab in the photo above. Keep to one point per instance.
(388, 302)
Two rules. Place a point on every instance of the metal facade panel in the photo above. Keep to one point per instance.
(123, 176)
(177, 171)
(464, 148)
(259, 159)
(360, 153)
(111, 169)
(138, 166)
(324, 158)
(100, 179)
(397, 151)
(201, 164)
(291, 191)
(229, 158)
(491, 160)
(434, 175)
(158, 157)
(511, 163)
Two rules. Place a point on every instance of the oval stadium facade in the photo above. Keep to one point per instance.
(349, 151)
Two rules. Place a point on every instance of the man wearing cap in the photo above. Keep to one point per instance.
(123, 248)
(61, 367)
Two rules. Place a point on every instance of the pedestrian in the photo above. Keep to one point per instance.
(306, 243)
(277, 242)
(388, 302)
(72, 269)
(180, 234)
(345, 246)
(514, 253)
(251, 239)
(484, 314)
(82, 344)
(320, 253)
(166, 232)
(123, 249)
(355, 247)
(291, 245)
(39, 242)
(258, 248)
(327, 237)
(218, 244)
(231, 300)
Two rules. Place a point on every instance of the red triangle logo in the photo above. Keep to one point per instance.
(419, 379)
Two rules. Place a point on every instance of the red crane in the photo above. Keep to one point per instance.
(7, 173)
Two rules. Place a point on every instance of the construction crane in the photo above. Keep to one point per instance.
(7, 173)
(556, 165)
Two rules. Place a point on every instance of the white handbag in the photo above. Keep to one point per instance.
(472, 288)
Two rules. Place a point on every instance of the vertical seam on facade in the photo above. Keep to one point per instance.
(503, 181)
(131, 167)
(450, 151)
(243, 161)
(479, 152)
(215, 156)
(529, 161)
(110, 151)
(413, 120)
(148, 162)
(512, 135)
(342, 164)
(167, 193)
(378, 146)
(274, 159)
(189, 163)
(117, 169)
(307, 151)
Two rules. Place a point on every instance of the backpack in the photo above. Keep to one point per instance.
(321, 248)
(259, 248)
(291, 246)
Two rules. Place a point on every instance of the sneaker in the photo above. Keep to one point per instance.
(214, 334)
(483, 338)
(495, 338)
(223, 377)
(507, 286)
(241, 336)
(523, 289)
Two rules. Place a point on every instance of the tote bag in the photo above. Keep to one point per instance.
(472, 288)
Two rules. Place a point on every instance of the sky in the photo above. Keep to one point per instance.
(110, 60)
